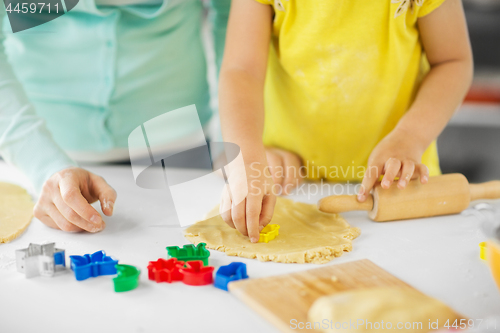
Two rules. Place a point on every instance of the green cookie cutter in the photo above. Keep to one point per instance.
(127, 279)
(189, 253)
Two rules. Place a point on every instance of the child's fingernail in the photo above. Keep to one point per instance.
(96, 219)
(402, 183)
(254, 240)
(386, 183)
(361, 197)
(111, 205)
(260, 228)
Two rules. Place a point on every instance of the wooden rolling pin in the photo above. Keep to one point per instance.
(442, 195)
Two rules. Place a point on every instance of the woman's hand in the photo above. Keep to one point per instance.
(65, 200)
(285, 169)
(397, 155)
(249, 212)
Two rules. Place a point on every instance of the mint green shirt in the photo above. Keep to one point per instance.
(85, 80)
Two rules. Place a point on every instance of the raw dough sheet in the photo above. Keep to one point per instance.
(306, 235)
(16, 211)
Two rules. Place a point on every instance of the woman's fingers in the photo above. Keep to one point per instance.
(73, 217)
(72, 196)
(40, 213)
(406, 173)
(60, 221)
(45, 219)
(391, 170)
(106, 194)
(48, 214)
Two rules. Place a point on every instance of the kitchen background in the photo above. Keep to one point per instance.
(470, 144)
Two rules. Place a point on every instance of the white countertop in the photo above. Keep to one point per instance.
(439, 256)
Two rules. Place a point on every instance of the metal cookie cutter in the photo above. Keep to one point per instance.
(189, 253)
(44, 260)
(93, 265)
(195, 274)
(232, 272)
(127, 279)
(165, 270)
(270, 232)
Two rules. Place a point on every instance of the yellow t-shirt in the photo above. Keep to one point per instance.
(340, 76)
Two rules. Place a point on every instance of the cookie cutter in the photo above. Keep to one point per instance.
(270, 232)
(232, 272)
(127, 279)
(44, 260)
(93, 265)
(165, 270)
(483, 246)
(189, 253)
(196, 274)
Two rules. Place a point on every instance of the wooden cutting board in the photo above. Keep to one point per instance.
(282, 298)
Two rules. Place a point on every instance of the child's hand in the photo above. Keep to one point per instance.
(254, 211)
(65, 200)
(285, 169)
(397, 155)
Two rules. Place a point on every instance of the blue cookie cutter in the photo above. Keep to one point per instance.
(232, 272)
(93, 265)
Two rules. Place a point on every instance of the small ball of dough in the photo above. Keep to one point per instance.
(379, 309)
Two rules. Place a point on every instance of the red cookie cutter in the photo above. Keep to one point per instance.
(165, 270)
(195, 274)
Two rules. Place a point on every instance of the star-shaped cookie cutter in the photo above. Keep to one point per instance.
(196, 274)
(44, 260)
(232, 272)
(165, 270)
(93, 265)
(270, 232)
(127, 279)
(189, 253)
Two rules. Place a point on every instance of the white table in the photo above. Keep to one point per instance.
(438, 256)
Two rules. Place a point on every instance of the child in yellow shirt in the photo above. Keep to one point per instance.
(350, 89)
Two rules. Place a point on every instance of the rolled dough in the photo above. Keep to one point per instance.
(306, 235)
(386, 306)
(16, 211)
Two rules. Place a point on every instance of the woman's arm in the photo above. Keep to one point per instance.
(446, 43)
(26, 143)
(241, 102)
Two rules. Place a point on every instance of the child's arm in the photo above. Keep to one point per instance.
(446, 42)
(241, 91)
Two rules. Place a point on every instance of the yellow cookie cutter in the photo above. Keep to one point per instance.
(269, 233)
(482, 250)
